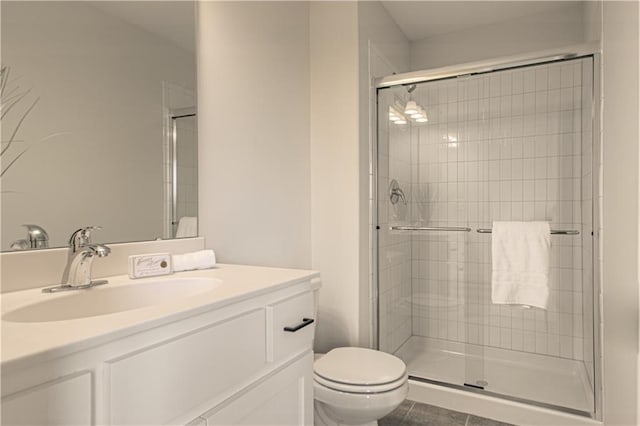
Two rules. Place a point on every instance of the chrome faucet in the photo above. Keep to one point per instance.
(77, 272)
(38, 238)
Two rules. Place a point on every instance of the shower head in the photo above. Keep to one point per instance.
(411, 88)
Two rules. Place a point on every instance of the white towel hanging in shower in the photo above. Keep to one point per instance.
(520, 263)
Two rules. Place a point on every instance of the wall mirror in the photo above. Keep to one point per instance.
(98, 120)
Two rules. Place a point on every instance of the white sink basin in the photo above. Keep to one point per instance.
(110, 299)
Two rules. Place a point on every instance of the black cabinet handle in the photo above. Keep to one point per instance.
(305, 322)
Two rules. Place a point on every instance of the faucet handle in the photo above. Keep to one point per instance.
(82, 237)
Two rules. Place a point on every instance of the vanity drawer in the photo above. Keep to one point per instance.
(165, 381)
(296, 314)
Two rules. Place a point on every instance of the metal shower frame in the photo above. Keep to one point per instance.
(482, 67)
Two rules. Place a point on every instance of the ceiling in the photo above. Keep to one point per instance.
(171, 20)
(174, 20)
(423, 19)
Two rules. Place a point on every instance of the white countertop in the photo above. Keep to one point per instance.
(38, 341)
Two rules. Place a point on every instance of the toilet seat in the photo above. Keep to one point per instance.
(360, 370)
(343, 387)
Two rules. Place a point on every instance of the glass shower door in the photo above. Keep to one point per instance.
(394, 209)
(423, 250)
(534, 154)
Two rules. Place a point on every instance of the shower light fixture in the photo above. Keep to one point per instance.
(416, 112)
(411, 108)
(396, 117)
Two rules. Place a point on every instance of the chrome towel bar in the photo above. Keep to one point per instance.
(463, 229)
(430, 228)
(553, 231)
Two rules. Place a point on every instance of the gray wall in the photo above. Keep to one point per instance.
(253, 127)
(620, 211)
(516, 36)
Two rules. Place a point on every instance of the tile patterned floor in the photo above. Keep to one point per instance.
(411, 413)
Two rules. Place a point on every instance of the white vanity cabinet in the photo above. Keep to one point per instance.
(281, 399)
(230, 365)
(64, 401)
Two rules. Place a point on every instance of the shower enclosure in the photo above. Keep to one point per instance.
(454, 154)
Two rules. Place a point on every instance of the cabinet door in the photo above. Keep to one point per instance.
(167, 381)
(66, 401)
(283, 399)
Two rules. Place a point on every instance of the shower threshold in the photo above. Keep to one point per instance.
(542, 380)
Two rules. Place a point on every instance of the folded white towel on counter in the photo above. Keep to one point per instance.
(203, 259)
(520, 263)
(187, 227)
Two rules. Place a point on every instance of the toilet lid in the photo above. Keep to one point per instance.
(359, 366)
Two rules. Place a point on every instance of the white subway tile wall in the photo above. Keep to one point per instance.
(511, 145)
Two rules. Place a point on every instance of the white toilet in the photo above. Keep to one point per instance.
(357, 386)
